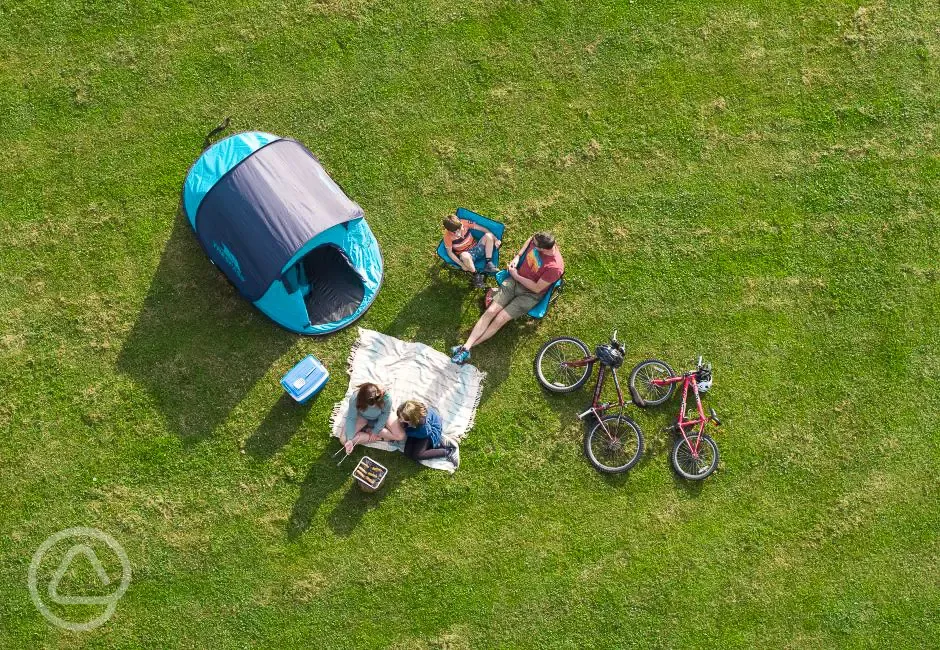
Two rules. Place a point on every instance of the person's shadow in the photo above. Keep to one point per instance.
(197, 347)
(495, 356)
(279, 425)
(356, 504)
(324, 478)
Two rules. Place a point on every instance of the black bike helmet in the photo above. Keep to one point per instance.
(703, 378)
(609, 356)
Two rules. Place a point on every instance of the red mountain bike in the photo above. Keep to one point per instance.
(613, 443)
(652, 382)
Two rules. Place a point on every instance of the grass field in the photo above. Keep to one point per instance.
(758, 182)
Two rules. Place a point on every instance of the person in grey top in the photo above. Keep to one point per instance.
(367, 417)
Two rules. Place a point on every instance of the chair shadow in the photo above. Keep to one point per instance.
(279, 426)
(433, 314)
(197, 347)
(494, 357)
(324, 478)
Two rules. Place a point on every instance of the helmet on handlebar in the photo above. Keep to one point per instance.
(610, 355)
(703, 377)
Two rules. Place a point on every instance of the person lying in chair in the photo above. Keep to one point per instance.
(534, 269)
(466, 250)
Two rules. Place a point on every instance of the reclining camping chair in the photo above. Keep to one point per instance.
(550, 296)
(495, 227)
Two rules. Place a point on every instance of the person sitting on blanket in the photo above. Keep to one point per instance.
(423, 428)
(534, 269)
(466, 250)
(367, 417)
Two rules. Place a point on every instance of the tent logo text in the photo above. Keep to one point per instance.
(230, 259)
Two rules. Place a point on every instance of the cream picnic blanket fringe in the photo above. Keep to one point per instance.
(413, 371)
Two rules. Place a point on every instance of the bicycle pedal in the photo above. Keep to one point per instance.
(714, 417)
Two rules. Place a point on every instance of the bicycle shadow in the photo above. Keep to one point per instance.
(662, 440)
(692, 488)
(197, 347)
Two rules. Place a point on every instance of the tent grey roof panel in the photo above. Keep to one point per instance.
(260, 213)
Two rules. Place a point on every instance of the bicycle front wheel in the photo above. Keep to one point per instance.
(553, 366)
(698, 464)
(642, 388)
(614, 444)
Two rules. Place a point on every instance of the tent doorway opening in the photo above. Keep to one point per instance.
(331, 286)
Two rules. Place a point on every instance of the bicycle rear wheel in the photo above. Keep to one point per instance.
(691, 466)
(642, 388)
(552, 369)
(614, 444)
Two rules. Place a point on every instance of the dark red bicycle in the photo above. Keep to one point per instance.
(613, 442)
(652, 382)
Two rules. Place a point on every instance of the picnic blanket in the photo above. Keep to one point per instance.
(413, 371)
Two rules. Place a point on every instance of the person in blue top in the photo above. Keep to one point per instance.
(423, 430)
(367, 417)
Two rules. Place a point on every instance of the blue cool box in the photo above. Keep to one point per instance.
(306, 379)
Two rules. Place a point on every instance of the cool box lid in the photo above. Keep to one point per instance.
(305, 380)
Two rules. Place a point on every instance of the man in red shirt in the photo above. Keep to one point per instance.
(535, 268)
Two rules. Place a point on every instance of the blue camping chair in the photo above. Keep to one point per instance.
(541, 308)
(495, 227)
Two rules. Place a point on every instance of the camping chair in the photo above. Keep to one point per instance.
(550, 296)
(495, 227)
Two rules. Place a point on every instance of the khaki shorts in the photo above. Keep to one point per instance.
(515, 299)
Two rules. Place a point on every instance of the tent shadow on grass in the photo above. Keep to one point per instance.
(197, 347)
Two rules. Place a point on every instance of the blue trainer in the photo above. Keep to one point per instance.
(454, 350)
(461, 357)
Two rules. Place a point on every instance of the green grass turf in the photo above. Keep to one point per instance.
(755, 181)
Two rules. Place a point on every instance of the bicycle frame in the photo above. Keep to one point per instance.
(597, 408)
(687, 379)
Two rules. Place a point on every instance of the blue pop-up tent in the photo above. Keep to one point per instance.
(284, 233)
